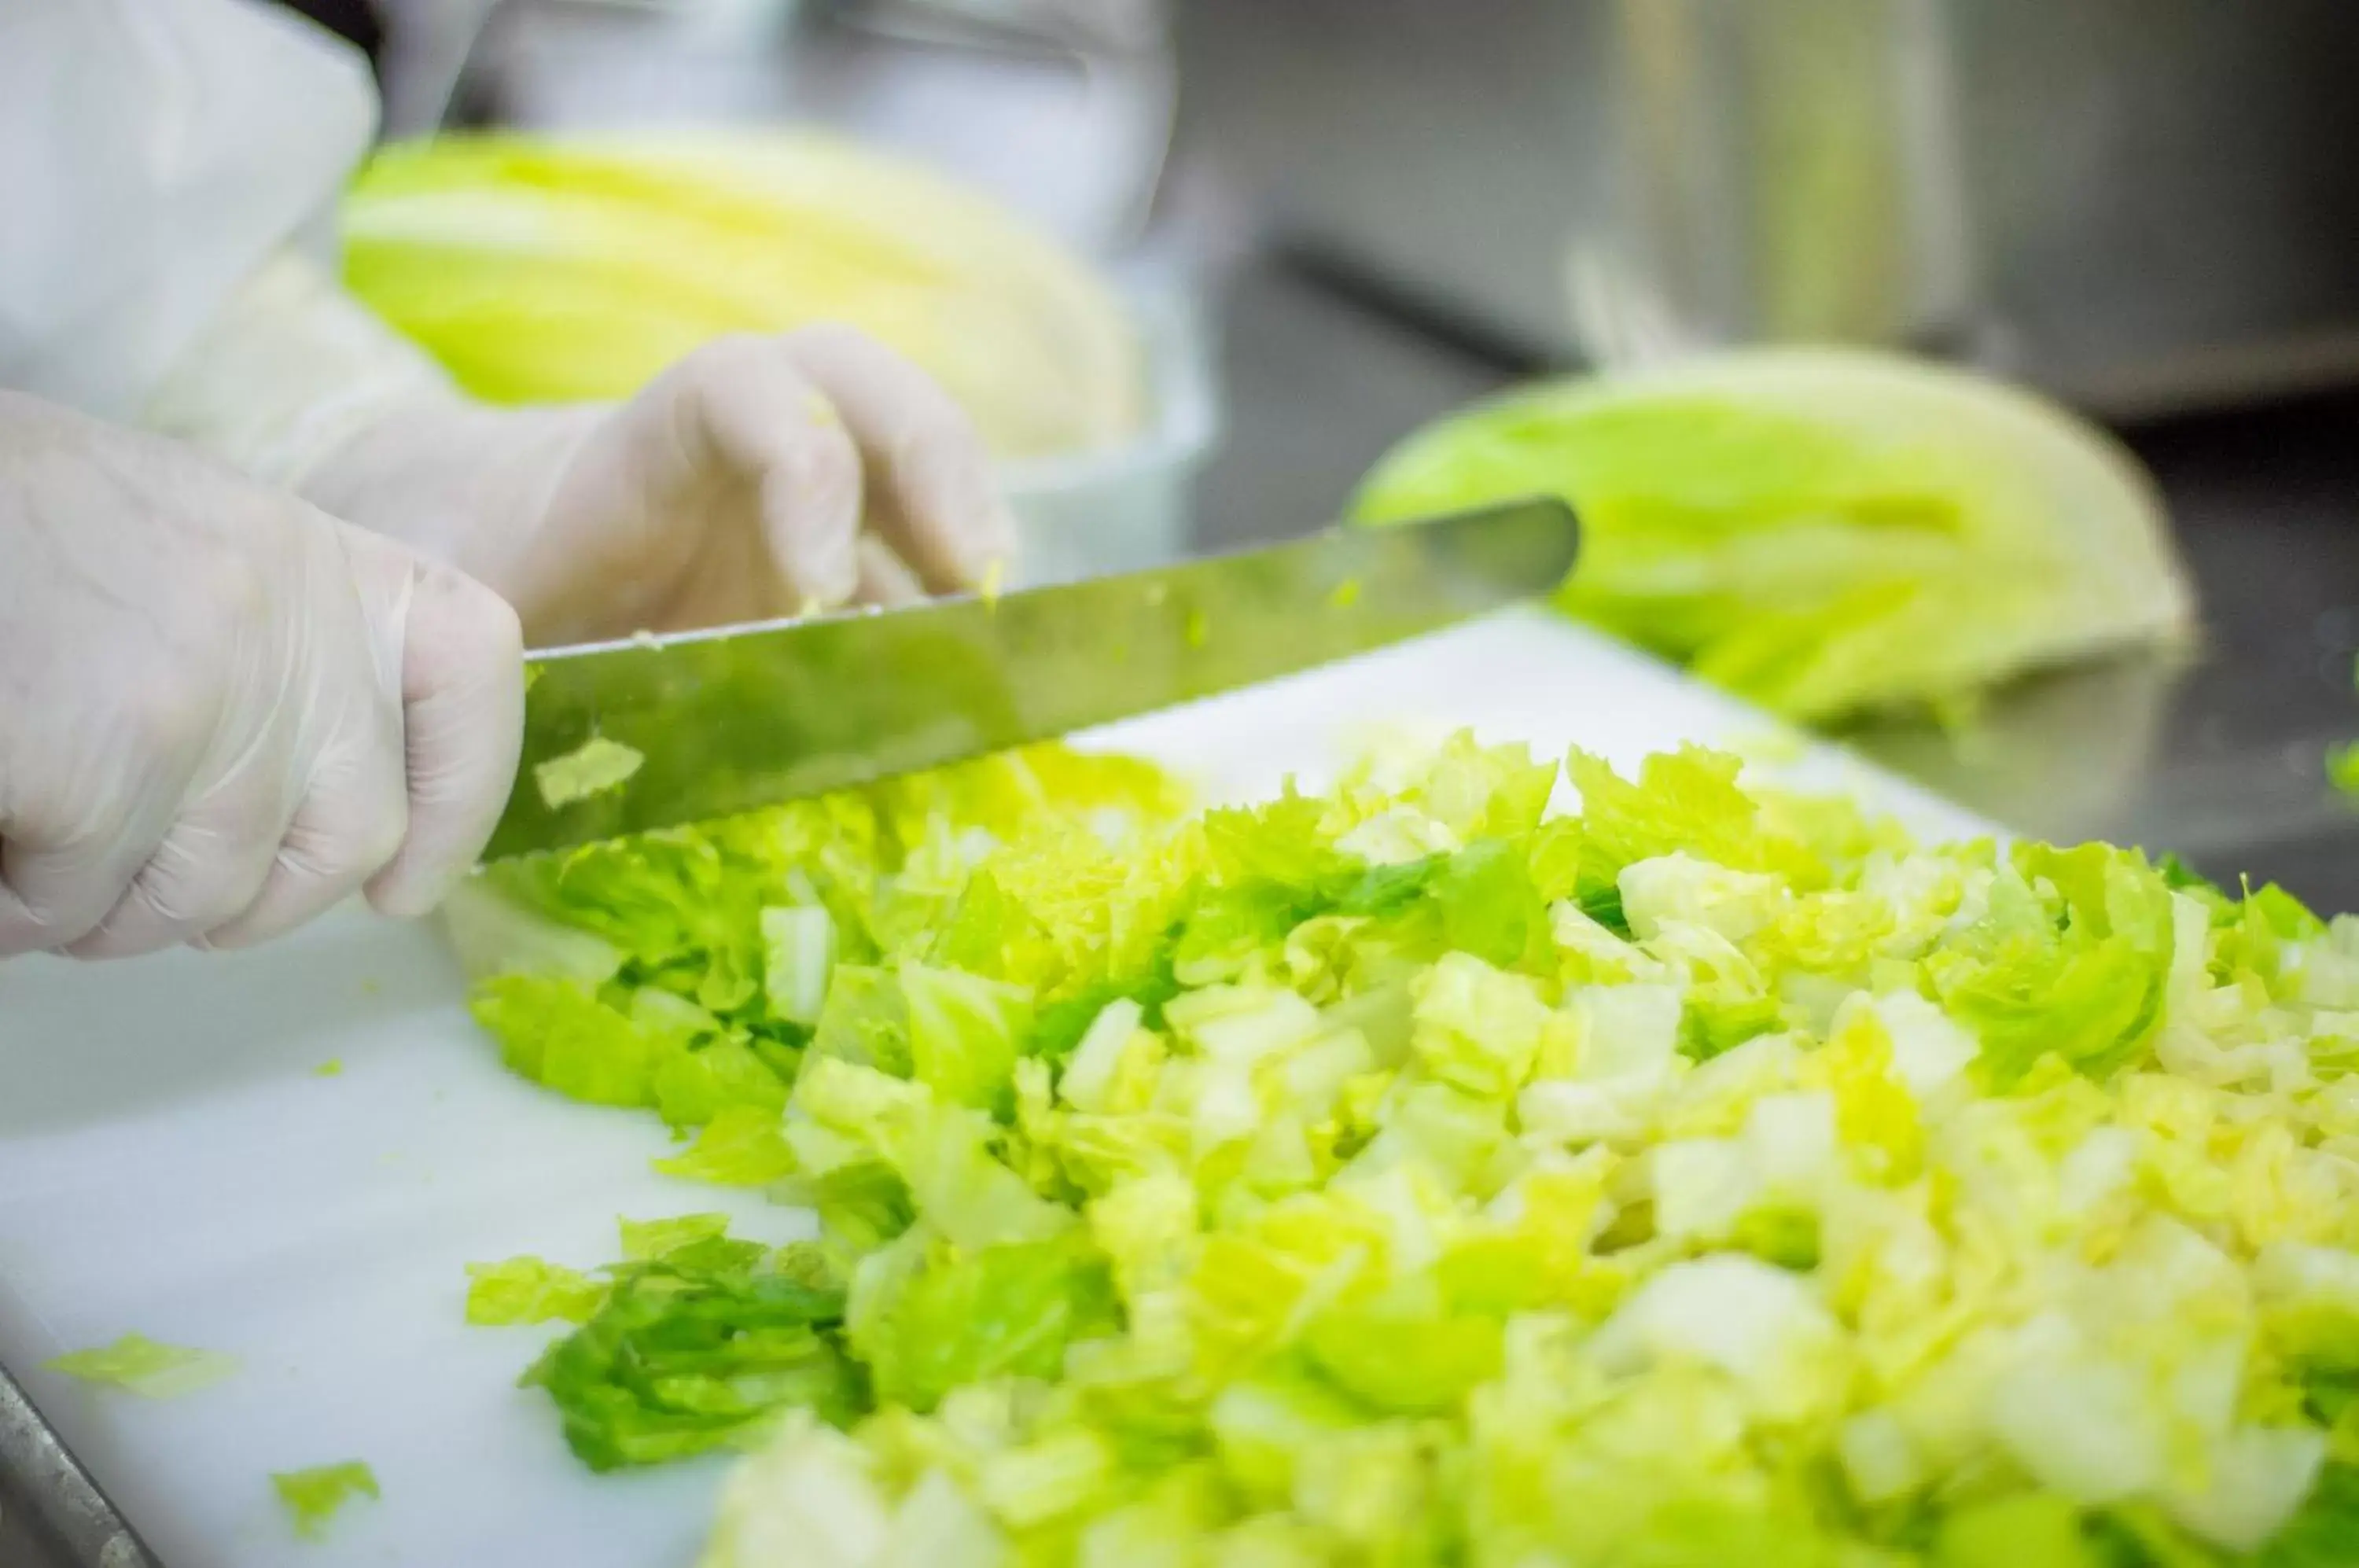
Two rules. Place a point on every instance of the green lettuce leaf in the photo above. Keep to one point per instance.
(1821, 531)
(595, 766)
(928, 1316)
(539, 269)
(742, 1146)
(529, 1291)
(313, 1497)
(147, 1367)
(696, 1349)
(2073, 958)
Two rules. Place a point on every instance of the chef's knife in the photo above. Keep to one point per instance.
(727, 721)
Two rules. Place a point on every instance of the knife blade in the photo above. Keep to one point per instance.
(728, 721)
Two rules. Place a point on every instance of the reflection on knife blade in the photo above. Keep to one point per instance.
(729, 721)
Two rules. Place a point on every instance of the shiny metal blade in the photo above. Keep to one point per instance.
(732, 720)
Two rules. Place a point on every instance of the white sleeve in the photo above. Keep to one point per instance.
(287, 371)
(153, 153)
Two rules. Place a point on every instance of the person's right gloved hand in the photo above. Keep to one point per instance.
(221, 710)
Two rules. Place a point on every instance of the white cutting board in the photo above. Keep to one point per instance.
(171, 1162)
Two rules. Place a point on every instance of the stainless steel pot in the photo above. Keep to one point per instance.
(2143, 204)
(1063, 108)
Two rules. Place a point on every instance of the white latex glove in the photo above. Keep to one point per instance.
(757, 477)
(221, 710)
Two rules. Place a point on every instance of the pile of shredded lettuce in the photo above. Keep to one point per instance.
(1419, 1174)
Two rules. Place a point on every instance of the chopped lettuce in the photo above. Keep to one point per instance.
(700, 1347)
(147, 1367)
(800, 949)
(658, 1238)
(1822, 531)
(2342, 768)
(741, 1147)
(529, 1291)
(1412, 1175)
(594, 767)
(2342, 762)
(313, 1497)
(2321, 1531)
(928, 1317)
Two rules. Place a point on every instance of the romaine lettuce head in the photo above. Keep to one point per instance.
(1822, 531)
(541, 270)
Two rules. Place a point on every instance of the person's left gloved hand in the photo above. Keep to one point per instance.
(220, 712)
(757, 477)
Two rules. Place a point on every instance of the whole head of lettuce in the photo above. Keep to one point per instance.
(1825, 532)
(541, 269)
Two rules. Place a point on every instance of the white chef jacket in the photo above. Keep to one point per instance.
(153, 155)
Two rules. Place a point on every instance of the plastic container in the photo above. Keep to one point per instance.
(1122, 507)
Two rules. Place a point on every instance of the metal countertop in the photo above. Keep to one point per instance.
(2218, 758)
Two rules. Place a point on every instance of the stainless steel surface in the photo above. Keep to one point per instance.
(2164, 205)
(427, 46)
(1451, 148)
(1063, 109)
(733, 720)
(2145, 205)
(2221, 758)
(1785, 172)
(52, 1514)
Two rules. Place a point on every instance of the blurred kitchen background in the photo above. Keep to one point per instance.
(1352, 215)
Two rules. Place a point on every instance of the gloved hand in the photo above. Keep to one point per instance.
(221, 710)
(757, 477)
